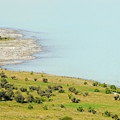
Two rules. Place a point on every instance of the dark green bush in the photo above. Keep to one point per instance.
(8, 95)
(107, 113)
(33, 88)
(107, 91)
(38, 100)
(85, 83)
(96, 90)
(75, 100)
(30, 98)
(35, 79)
(95, 84)
(61, 91)
(66, 118)
(85, 94)
(22, 89)
(80, 109)
(19, 98)
(45, 80)
(113, 87)
(14, 77)
(91, 110)
(45, 107)
(104, 85)
(2, 93)
(9, 86)
(3, 82)
(30, 107)
(116, 97)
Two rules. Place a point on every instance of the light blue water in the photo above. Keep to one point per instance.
(79, 38)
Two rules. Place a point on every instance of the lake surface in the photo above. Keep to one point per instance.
(79, 38)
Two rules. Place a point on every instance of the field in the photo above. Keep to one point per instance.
(59, 98)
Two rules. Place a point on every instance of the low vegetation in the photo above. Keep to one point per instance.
(39, 96)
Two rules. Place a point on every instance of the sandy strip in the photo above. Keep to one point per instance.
(17, 50)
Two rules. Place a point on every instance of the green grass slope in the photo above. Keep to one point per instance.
(50, 97)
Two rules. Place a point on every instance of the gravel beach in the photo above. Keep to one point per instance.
(16, 50)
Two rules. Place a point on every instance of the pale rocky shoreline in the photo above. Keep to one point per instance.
(16, 50)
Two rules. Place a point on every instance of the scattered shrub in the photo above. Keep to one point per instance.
(26, 79)
(96, 90)
(85, 94)
(85, 83)
(91, 110)
(113, 87)
(107, 91)
(75, 100)
(62, 106)
(14, 77)
(70, 96)
(45, 80)
(2, 75)
(104, 85)
(19, 98)
(116, 97)
(80, 109)
(30, 107)
(95, 84)
(66, 118)
(107, 113)
(35, 79)
(3, 82)
(61, 91)
(23, 89)
(45, 107)
(8, 95)
(9, 86)
(38, 100)
(30, 98)
(31, 73)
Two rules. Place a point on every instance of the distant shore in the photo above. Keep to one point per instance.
(17, 49)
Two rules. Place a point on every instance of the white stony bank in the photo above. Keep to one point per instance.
(17, 50)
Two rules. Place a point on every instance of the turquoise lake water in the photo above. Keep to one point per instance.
(79, 38)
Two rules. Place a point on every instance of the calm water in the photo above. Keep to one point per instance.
(79, 38)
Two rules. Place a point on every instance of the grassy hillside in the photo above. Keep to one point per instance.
(55, 98)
